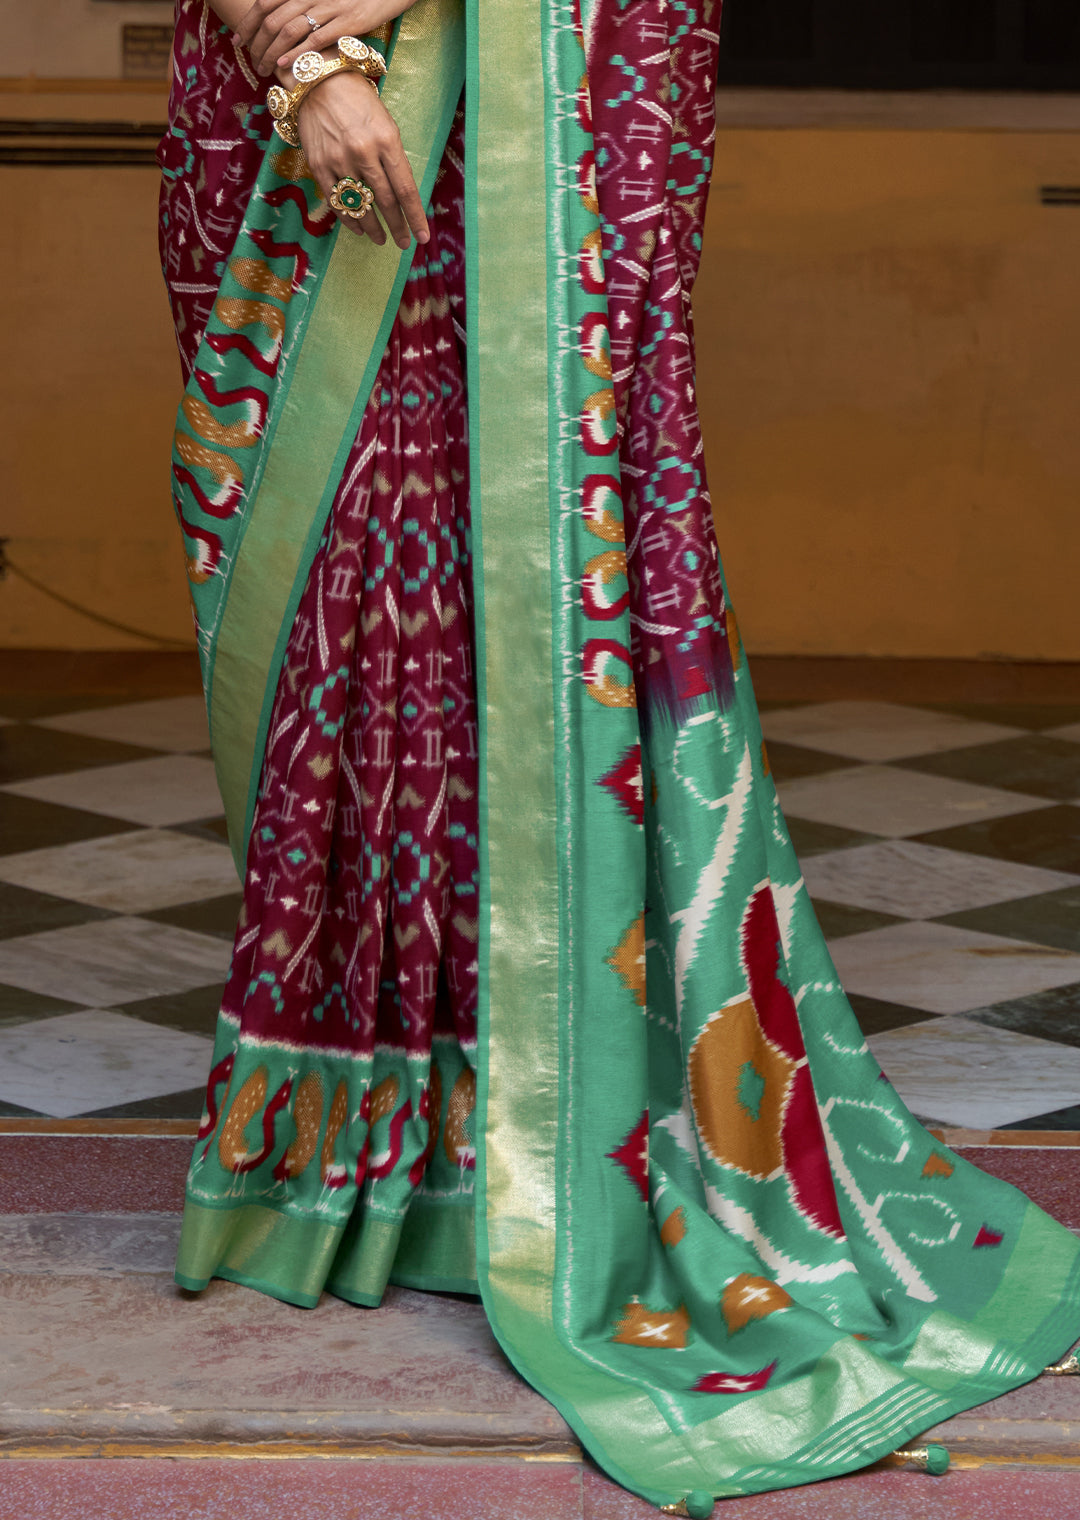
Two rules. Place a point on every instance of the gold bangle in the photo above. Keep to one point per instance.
(310, 69)
(370, 59)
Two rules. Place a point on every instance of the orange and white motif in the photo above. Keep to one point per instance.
(747, 1298)
(639, 1326)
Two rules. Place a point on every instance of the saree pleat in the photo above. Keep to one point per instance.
(351, 998)
(528, 996)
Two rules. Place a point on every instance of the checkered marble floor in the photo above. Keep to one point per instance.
(941, 845)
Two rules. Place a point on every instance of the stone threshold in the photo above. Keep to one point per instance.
(104, 1355)
(955, 1138)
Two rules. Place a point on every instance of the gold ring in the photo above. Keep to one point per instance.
(352, 197)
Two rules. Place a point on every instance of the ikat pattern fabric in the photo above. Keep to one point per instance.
(357, 937)
(756, 1242)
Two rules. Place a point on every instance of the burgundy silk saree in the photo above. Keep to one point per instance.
(527, 995)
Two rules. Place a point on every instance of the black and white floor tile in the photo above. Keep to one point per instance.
(941, 846)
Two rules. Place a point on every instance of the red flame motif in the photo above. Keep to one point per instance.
(623, 781)
(633, 1155)
(735, 1382)
(806, 1159)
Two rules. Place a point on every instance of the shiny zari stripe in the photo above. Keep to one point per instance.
(277, 502)
(518, 1076)
(544, 739)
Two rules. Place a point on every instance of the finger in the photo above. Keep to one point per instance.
(254, 28)
(366, 226)
(267, 42)
(400, 176)
(387, 202)
(373, 227)
(250, 22)
(351, 224)
(369, 224)
(298, 37)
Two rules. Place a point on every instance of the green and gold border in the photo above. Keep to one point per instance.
(343, 347)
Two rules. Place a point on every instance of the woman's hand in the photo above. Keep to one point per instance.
(276, 32)
(346, 130)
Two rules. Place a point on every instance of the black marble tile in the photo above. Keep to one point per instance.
(790, 761)
(1048, 837)
(25, 912)
(27, 706)
(18, 1005)
(178, 1105)
(1049, 918)
(193, 1012)
(875, 1015)
(840, 919)
(1051, 1015)
(1060, 1118)
(215, 915)
(13, 1111)
(27, 751)
(810, 838)
(1036, 764)
(213, 829)
(1030, 715)
(27, 824)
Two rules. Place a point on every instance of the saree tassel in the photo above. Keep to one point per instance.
(929, 1459)
(1069, 1366)
(698, 1505)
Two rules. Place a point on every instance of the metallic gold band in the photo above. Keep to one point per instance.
(310, 69)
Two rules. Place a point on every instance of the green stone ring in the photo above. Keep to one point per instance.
(352, 197)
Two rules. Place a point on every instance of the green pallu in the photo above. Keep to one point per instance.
(706, 1227)
(654, 1241)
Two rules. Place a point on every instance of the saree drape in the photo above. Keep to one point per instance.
(527, 996)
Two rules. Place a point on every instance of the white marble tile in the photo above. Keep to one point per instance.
(882, 799)
(948, 970)
(921, 880)
(878, 730)
(170, 723)
(96, 1058)
(135, 872)
(971, 1075)
(118, 960)
(1070, 731)
(167, 789)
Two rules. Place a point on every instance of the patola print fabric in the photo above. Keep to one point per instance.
(527, 996)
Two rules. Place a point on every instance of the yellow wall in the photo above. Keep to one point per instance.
(889, 369)
(888, 337)
(89, 391)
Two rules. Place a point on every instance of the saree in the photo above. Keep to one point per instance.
(527, 997)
